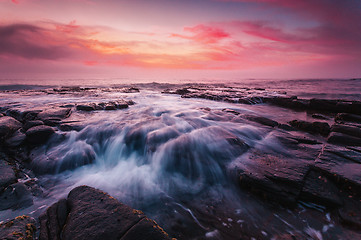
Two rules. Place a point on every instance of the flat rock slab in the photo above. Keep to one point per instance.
(343, 139)
(313, 127)
(120, 104)
(342, 163)
(54, 113)
(321, 190)
(347, 117)
(346, 129)
(89, 213)
(22, 227)
(273, 176)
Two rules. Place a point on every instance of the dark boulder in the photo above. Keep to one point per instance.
(15, 196)
(32, 123)
(8, 126)
(22, 227)
(39, 134)
(93, 214)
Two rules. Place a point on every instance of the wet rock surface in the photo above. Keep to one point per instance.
(7, 174)
(15, 196)
(88, 213)
(39, 134)
(22, 227)
(316, 164)
(8, 125)
(103, 106)
(315, 127)
(326, 174)
(57, 113)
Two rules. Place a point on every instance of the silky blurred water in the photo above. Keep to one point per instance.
(168, 156)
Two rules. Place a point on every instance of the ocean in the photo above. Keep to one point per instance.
(173, 158)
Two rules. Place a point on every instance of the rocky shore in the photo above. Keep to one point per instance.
(324, 167)
(321, 170)
(87, 213)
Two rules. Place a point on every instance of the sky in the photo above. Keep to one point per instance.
(226, 39)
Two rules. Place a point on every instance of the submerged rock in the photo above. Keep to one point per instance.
(7, 174)
(16, 139)
(93, 214)
(22, 227)
(16, 196)
(57, 160)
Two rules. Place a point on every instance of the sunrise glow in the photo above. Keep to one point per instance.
(247, 38)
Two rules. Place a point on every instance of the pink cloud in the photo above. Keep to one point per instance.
(29, 41)
(324, 39)
(203, 34)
